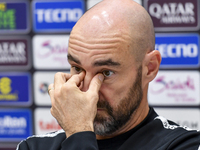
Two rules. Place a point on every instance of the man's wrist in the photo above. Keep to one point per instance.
(78, 130)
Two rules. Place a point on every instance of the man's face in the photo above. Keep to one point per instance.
(108, 53)
(119, 116)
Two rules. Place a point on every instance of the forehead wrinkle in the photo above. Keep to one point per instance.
(106, 41)
(95, 53)
(84, 47)
(77, 49)
(103, 44)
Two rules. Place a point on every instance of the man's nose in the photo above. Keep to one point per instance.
(86, 82)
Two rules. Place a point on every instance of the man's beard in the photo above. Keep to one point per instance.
(122, 114)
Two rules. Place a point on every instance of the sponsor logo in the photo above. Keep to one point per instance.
(41, 82)
(91, 3)
(178, 50)
(192, 124)
(188, 84)
(14, 53)
(56, 16)
(175, 88)
(10, 91)
(138, 1)
(15, 125)
(185, 117)
(51, 49)
(50, 52)
(6, 147)
(14, 16)
(51, 125)
(174, 15)
(43, 88)
(45, 122)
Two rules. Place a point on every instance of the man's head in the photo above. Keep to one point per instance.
(116, 38)
(124, 18)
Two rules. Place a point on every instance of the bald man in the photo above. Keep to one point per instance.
(102, 104)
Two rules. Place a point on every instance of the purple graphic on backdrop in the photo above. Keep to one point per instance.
(174, 15)
(52, 49)
(188, 84)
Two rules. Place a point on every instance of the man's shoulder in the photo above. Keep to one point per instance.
(162, 133)
(48, 141)
(168, 125)
(164, 125)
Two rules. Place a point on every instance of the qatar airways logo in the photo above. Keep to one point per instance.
(49, 49)
(174, 15)
(170, 13)
(163, 85)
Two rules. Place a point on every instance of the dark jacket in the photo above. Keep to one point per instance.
(153, 133)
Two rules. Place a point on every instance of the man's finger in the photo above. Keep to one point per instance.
(51, 92)
(60, 78)
(51, 87)
(95, 84)
(77, 79)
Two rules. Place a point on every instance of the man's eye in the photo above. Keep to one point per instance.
(77, 69)
(107, 73)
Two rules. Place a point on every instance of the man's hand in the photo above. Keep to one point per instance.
(73, 109)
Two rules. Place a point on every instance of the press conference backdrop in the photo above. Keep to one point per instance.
(33, 47)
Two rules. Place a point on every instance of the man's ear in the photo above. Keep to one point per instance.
(151, 64)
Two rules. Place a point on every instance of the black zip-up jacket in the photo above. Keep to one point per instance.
(153, 133)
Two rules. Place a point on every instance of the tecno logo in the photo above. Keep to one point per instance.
(177, 50)
(58, 15)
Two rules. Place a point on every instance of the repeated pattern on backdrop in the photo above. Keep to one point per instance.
(33, 47)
